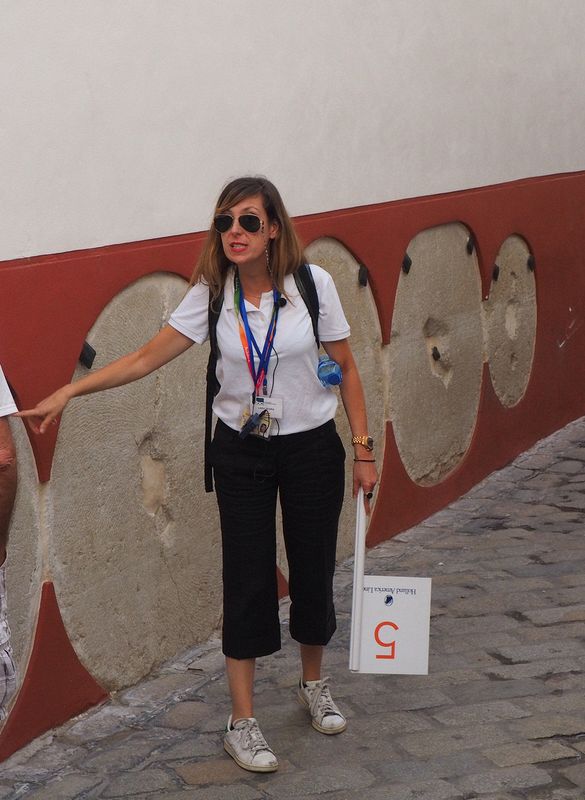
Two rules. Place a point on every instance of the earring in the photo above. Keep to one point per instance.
(267, 254)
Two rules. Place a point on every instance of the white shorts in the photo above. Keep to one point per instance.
(7, 404)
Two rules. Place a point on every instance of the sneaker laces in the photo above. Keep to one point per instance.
(321, 702)
(252, 736)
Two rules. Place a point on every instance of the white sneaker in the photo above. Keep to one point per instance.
(325, 716)
(245, 743)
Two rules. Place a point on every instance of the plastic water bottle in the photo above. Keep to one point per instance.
(328, 371)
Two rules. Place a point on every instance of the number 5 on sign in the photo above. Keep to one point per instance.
(390, 617)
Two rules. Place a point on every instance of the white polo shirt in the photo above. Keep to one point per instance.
(292, 372)
(7, 404)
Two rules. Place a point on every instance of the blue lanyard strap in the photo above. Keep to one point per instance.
(249, 344)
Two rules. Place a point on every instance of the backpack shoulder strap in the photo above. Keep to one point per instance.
(212, 387)
(308, 291)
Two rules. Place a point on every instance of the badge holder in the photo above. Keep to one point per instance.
(257, 424)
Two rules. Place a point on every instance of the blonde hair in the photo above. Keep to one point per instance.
(284, 251)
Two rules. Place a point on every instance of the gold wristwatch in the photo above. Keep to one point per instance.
(365, 441)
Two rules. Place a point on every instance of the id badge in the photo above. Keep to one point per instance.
(273, 406)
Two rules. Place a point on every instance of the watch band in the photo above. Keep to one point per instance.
(366, 441)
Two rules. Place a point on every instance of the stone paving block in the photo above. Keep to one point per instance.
(308, 749)
(240, 791)
(464, 644)
(576, 579)
(41, 764)
(442, 662)
(554, 616)
(402, 700)
(389, 724)
(132, 783)
(479, 713)
(557, 556)
(576, 775)
(514, 585)
(546, 725)
(184, 715)
(504, 779)
(193, 746)
(111, 759)
(498, 604)
(411, 771)
(547, 570)
(156, 693)
(532, 669)
(559, 794)
(442, 678)
(566, 467)
(550, 633)
(548, 650)
(106, 721)
(221, 770)
(567, 597)
(320, 781)
(65, 787)
(435, 743)
(461, 626)
(509, 755)
(570, 702)
(486, 690)
(427, 790)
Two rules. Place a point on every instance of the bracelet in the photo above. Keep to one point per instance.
(366, 460)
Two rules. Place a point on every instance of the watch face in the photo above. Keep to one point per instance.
(370, 443)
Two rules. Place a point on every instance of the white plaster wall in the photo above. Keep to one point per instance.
(121, 120)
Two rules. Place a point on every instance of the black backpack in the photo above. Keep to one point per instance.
(307, 290)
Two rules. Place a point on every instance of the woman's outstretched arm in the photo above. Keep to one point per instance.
(161, 349)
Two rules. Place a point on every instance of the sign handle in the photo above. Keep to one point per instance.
(358, 583)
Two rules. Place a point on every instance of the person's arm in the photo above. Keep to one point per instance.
(161, 349)
(352, 395)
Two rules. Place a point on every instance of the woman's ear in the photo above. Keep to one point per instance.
(273, 230)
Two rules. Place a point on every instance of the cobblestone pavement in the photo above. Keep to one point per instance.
(500, 716)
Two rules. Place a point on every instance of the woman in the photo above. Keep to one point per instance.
(275, 435)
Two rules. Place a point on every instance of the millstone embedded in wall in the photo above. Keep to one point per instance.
(366, 344)
(436, 352)
(134, 548)
(510, 320)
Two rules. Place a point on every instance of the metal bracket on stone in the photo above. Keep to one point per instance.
(496, 273)
(406, 263)
(363, 275)
(87, 355)
(470, 245)
(531, 263)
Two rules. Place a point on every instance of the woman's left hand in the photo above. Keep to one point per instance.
(366, 476)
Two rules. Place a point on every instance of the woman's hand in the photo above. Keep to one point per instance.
(47, 411)
(162, 348)
(365, 476)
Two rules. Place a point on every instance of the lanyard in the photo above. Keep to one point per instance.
(249, 344)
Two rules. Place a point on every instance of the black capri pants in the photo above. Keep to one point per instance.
(307, 471)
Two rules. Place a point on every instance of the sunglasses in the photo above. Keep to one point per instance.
(249, 222)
